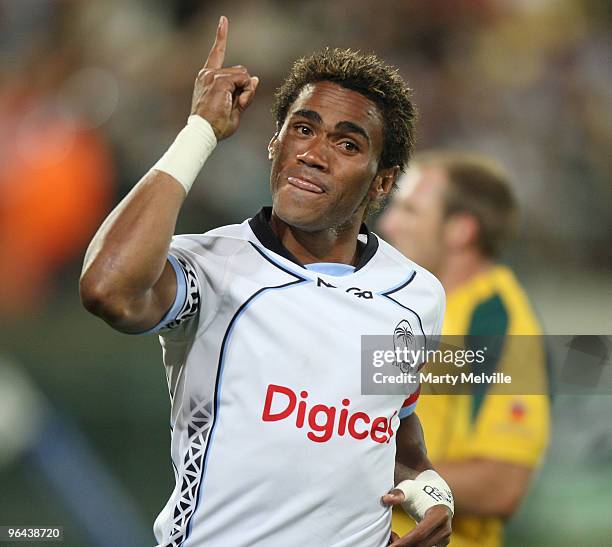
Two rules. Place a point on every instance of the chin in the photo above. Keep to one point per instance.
(302, 214)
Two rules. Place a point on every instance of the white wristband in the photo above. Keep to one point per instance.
(426, 490)
(187, 154)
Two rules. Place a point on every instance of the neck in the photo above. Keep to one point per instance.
(460, 268)
(329, 245)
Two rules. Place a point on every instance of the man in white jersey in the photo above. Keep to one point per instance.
(273, 442)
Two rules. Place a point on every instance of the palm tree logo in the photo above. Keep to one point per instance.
(403, 337)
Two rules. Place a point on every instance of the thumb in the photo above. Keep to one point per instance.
(393, 497)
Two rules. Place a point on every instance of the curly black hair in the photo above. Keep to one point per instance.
(367, 75)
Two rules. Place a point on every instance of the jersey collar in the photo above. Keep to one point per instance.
(260, 224)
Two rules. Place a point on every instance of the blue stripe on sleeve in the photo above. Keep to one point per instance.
(407, 410)
(179, 300)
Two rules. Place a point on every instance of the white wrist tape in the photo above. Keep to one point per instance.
(425, 491)
(187, 154)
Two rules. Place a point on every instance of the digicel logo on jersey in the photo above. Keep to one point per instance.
(322, 420)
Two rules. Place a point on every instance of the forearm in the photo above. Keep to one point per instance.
(126, 279)
(411, 453)
(485, 487)
(127, 256)
(422, 493)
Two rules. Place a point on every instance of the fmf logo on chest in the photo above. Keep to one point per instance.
(323, 421)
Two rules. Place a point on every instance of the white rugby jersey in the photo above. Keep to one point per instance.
(273, 443)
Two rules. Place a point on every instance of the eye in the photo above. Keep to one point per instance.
(349, 146)
(303, 129)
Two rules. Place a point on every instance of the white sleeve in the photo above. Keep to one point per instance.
(187, 301)
(437, 331)
(409, 404)
(433, 340)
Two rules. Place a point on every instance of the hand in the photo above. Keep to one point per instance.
(433, 530)
(221, 95)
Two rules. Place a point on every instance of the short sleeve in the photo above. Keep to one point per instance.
(188, 297)
(188, 294)
(512, 428)
(409, 404)
(436, 332)
(432, 340)
(509, 427)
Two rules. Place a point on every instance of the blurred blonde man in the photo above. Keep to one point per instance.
(453, 213)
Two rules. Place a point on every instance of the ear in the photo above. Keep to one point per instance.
(383, 182)
(461, 230)
(272, 146)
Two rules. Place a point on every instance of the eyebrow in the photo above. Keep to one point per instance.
(349, 127)
(309, 115)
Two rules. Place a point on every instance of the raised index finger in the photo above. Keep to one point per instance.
(217, 53)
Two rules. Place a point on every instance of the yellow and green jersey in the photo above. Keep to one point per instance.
(509, 428)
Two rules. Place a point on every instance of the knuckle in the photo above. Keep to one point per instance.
(204, 74)
(222, 81)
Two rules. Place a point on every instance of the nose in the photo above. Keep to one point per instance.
(314, 155)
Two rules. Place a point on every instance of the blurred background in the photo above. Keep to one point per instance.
(93, 92)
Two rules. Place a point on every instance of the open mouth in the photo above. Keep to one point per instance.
(305, 185)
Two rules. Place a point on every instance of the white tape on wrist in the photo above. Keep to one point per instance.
(426, 490)
(187, 154)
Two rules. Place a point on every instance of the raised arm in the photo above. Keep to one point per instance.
(126, 278)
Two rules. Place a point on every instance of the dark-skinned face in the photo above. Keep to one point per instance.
(325, 159)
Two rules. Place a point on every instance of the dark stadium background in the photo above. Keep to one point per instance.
(92, 93)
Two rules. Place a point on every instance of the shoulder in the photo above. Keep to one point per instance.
(227, 252)
(523, 318)
(418, 277)
(494, 302)
(222, 240)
